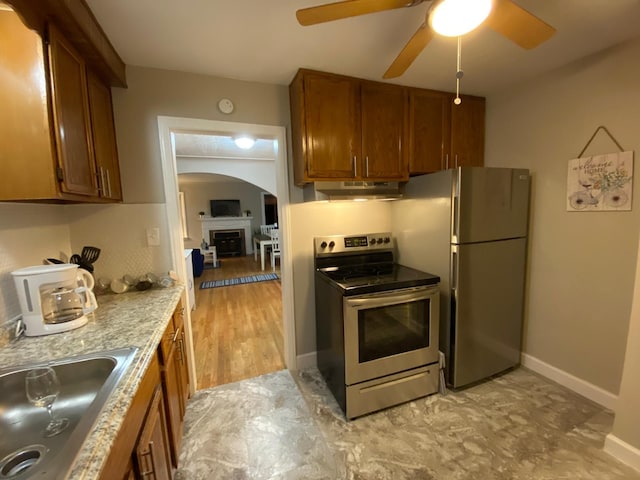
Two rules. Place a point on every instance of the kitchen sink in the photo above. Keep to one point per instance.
(85, 385)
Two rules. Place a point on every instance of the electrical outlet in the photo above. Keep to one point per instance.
(153, 237)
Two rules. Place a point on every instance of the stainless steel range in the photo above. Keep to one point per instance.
(376, 324)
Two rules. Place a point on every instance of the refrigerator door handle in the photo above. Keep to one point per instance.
(454, 269)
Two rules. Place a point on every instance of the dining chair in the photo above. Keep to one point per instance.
(266, 229)
(275, 247)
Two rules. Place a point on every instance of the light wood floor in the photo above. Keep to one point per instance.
(237, 330)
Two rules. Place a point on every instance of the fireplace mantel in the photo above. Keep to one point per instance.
(228, 223)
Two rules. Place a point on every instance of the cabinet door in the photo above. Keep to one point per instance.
(104, 138)
(467, 132)
(173, 399)
(152, 450)
(383, 113)
(428, 130)
(332, 126)
(71, 117)
(27, 158)
(183, 371)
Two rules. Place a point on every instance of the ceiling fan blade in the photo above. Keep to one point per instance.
(518, 25)
(348, 8)
(411, 50)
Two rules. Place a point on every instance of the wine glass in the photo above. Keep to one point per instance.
(42, 387)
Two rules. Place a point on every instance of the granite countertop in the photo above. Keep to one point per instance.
(133, 319)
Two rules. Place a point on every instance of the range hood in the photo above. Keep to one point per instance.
(351, 190)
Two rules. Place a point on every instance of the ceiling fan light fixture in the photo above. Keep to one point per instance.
(244, 141)
(453, 18)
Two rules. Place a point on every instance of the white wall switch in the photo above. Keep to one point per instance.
(153, 237)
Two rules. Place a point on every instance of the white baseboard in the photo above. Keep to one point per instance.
(622, 451)
(306, 360)
(586, 389)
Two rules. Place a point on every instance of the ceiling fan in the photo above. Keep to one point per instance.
(503, 16)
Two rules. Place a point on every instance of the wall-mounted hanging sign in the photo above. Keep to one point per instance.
(600, 183)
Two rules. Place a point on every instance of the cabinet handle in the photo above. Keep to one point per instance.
(108, 176)
(366, 166)
(456, 160)
(181, 357)
(150, 453)
(100, 178)
(446, 162)
(175, 335)
(355, 167)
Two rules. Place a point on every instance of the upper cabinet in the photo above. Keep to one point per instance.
(429, 132)
(58, 142)
(347, 129)
(467, 133)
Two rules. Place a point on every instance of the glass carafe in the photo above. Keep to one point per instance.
(64, 303)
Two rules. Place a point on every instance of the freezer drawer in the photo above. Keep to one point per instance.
(487, 300)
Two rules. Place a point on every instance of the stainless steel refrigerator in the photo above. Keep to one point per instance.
(469, 226)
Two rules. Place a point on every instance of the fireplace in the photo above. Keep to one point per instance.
(228, 243)
(211, 226)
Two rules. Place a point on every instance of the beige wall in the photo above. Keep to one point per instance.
(314, 219)
(581, 265)
(198, 194)
(28, 234)
(155, 92)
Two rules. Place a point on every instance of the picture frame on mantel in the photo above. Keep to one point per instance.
(600, 183)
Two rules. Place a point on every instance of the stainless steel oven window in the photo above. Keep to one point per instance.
(398, 305)
(393, 329)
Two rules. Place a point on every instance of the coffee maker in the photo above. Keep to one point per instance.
(54, 298)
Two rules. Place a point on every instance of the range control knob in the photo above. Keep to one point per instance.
(332, 244)
(323, 244)
(380, 240)
(372, 241)
(387, 239)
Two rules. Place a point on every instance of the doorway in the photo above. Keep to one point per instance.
(168, 127)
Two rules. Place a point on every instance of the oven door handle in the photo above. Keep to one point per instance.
(390, 298)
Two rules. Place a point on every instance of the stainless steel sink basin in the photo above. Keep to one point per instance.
(85, 385)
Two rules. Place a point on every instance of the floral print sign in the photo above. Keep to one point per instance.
(600, 183)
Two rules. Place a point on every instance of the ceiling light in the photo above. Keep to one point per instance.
(244, 142)
(453, 18)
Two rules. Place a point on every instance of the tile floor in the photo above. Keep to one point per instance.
(287, 426)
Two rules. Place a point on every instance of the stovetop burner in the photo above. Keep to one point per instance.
(364, 264)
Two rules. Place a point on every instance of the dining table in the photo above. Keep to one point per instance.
(261, 241)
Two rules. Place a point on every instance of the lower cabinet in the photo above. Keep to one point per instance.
(152, 450)
(148, 443)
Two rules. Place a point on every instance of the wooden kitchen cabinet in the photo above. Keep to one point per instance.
(76, 169)
(175, 379)
(442, 134)
(122, 462)
(57, 119)
(148, 443)
(383, 111)
(467, 132)
(104, 138)
(429, 131)
(152, 450)
(183, 367)
(344, 128)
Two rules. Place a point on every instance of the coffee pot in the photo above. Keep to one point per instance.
(54, 298)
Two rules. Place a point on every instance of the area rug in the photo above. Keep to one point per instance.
(263, 277)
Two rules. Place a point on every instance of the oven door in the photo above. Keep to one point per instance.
(390, 332)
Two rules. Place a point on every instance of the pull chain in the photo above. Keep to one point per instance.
(459, 73)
